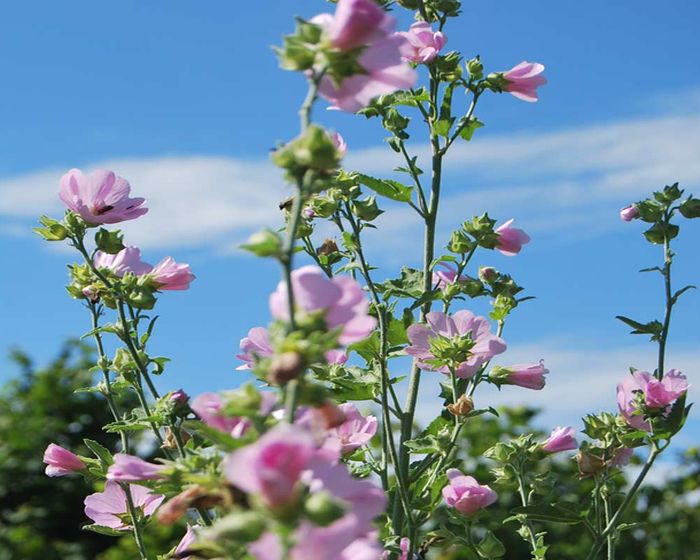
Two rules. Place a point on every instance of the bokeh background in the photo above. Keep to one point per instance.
(184, 99)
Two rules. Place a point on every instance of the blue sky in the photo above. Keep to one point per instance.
(185, 100)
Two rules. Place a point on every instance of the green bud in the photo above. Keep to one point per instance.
(366, 209)
(460, 243)
(52, 230)
(475, 68)
(265, 243)
(650, 211)
(141, 297)
(109, 241)
(322, 509)
(239, 526)
(75, 224)
(669, 195)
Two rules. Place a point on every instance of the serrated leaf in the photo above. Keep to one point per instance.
(103, 530)
(388, 188)
(101, 452)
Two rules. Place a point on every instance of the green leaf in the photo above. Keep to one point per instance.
(660, 232)
(387, 188)
(442, 127)
(653, 328)
(368, 348)
(109, 241)
(551, 513)
(102, 530)
(470, 128)
(424, 444)
(101, 452)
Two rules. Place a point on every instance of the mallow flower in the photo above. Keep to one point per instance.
(355, 431)
(185, 543)
(656, 395)
(340, 301)
(529, 376)
(171, 275)
(561, 439)
(126, 260)
(445, 274)
(510, 239)
(102, 197)
(524, 79)
(422, 43)
(629, 213)
(166, 275)
(208, 406)
(364, 24)
(465, 494)
(127, 468)
(109, 508)
(463, 338)
(61, 462)
(271, 467)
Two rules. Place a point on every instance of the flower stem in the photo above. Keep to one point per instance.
(136, 524)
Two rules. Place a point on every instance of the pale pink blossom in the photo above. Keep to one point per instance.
(629, 213)
(461, 324)
(529, 376)
(61, 462)
(126, 260)
(362, 23)
(561, 439)
(356, 23)
(355, 431)
(524, 79)
(404, 546)
(510, 239)
(339, 300)
(254, 346)
(336, 357)
(271, 467)
(465, 494)
(187, 540)
(127, 468)
(423, 44)
(446, 275)
(108, 508)
(208, 407)
(179, 397)
(622, 456)
(340, 143)
(657, 395)
(171, 275)
(100, 197)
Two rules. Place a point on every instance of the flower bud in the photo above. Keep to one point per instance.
(462, 407)
(327, 248)
(589, 464)
(285, 367)
(488, 274)
(629, 213)
(322, 509)
(241, 526)
(264, 243)
(475, 68)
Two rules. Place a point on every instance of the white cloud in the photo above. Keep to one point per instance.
(551, 181)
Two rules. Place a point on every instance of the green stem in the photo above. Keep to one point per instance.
(136, 525)
(668, 261)
(523, 499)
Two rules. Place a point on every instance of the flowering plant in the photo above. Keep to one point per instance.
(288, 466)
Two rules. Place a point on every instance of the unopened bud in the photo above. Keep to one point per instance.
(285, 367)
(462, 407)
(322, 509)
(328, 247)
(589, 464)
(488, 274)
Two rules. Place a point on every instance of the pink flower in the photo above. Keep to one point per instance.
(446, 276)
(127, 468)
(337, 357)
(362, 23)
(657, 394)
(170, 275)
(404, 546)
(254, 346)
(356, 23)
(622, 457)
(455, 327)
(511, 240)
(60, 462)
(208, 407)
(561, 439)
(423, 45)
(629, 213)
(99, 198)
(107, 508)
(126, 260)
(340, 301)
(530, 376)
(355, 431)
(271, 467)
(465, 494)
(187, 540)
(524, 79)
(340, 143)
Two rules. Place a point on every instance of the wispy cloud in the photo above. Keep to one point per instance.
(550, 181)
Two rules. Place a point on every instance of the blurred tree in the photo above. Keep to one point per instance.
(41, 517)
